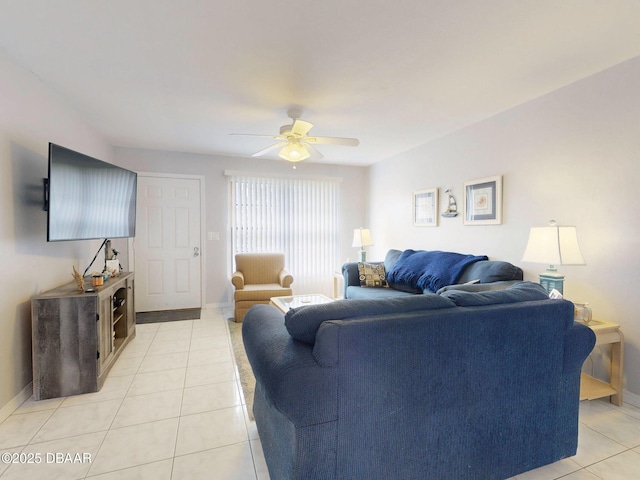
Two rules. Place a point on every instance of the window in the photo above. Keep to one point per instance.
(298, 217)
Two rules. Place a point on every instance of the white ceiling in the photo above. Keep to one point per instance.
(183, 74)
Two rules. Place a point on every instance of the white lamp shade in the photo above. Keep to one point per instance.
(553, 245)
(361, 237)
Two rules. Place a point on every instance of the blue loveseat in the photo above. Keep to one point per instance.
(480, 274)
(463, 385)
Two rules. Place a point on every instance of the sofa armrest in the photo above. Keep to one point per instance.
(579, 342)
(237, 279)
(285, 278)
(285, 370)
(350, 274)
(350, 269)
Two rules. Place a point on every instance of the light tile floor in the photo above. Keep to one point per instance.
(172, 408)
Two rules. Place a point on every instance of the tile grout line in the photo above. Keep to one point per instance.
(100, 445)
(119, 408)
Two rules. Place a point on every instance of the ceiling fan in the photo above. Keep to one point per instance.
(295, 142)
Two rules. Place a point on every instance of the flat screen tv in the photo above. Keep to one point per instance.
(88, 198)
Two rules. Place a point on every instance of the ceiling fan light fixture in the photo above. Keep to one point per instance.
(294, 152)
(294, 141)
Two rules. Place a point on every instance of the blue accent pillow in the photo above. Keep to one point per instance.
(303, 322)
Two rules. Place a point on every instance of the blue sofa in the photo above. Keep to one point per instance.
(478, 276)
(462, 385)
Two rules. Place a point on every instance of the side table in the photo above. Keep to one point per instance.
(607, 333)
(338, 286)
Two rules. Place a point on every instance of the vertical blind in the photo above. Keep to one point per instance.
(298, 217)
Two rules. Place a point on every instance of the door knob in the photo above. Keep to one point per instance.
(196, 251)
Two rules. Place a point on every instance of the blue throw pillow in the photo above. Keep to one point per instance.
(518, 292)
(303, 322)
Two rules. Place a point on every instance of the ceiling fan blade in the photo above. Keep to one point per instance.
(301, 128)
(349, 142)
(268, 149)
(315, 154)
(255, 135)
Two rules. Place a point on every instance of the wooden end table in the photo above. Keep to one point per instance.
(607, 333)
(284, 304)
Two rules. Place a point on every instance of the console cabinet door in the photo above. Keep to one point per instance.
(106, 331)
(131, 310)
(64, 348)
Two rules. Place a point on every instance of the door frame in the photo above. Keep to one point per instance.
(131, 247)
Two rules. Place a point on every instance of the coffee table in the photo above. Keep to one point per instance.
(284, 304)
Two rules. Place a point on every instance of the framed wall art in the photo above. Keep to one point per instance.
(483, 201)
(425, 208)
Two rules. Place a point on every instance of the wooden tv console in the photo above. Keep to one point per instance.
(78, 336)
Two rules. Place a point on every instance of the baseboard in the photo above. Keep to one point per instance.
(219, 305)
(16, 401)
(631, 398)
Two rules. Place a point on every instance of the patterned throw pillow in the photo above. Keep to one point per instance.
(372, 275)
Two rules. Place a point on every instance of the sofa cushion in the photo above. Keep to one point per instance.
(391, 258)
(303, 322)
(518, 292)
(489, 271)
(261, 292)
(478, 287)
(374, 293)
(372, 275)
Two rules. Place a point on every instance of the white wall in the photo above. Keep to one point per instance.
(218, 257)
(31, 116)
(572, 155)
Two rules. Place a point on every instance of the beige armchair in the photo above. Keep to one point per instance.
(258, 277)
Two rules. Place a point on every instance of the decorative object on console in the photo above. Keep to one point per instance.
(483, 201)
(79, 279)
(111, 262)
(112, 267)
(452, 206)
(361, 239)
(425, 208)
(553, 245)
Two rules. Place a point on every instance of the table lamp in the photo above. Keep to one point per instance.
(362, 238)
(553, 245)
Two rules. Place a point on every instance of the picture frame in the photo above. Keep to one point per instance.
(425, 208)
(483, 201)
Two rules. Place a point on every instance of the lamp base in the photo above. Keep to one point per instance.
(550, 280)
(362, 256)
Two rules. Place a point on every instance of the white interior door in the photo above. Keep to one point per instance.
(168, 260)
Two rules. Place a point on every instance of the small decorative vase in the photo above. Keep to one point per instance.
(582, 312)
